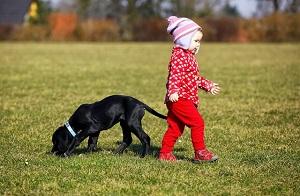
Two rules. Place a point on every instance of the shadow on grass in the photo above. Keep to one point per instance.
(134, 148)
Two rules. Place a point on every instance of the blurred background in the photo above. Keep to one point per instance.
(145, 20)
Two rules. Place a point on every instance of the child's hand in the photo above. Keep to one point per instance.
(173, 97)
(215, 89)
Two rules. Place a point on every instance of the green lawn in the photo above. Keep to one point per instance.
(253, 125)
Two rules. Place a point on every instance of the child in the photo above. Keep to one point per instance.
(182, 90)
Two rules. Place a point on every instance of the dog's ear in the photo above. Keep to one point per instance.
(54, 142)
(54, 150)
(54, 137)
(57, 140)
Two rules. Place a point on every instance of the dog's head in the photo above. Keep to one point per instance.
(61, 140)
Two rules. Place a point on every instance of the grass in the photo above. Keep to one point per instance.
(253, 125)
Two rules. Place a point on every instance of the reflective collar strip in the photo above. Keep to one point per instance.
(70, 129)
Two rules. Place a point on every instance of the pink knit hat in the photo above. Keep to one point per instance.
(182, 30)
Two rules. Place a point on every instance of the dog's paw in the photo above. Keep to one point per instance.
(117, 152)
(92, 149)
(65, 155)
(121, 148)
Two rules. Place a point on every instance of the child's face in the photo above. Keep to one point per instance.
(195, 42)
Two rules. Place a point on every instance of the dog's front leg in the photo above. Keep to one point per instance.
(75, 142)
(92, 143)
(71, 148)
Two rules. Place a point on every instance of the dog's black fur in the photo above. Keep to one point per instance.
(90, 119)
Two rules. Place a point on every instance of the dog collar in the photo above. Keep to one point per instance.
(70, 129)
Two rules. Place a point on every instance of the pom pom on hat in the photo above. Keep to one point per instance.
(182, 30)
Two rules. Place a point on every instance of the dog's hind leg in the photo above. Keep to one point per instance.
(127, 139)
(92, 143)
(143, 137)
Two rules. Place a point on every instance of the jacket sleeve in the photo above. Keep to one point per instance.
(176, 72)
(205, 84)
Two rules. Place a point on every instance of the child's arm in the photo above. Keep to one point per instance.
(174, 97)
(209, 86)
(176, 72)
(215, 89)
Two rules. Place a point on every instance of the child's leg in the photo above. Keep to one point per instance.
(188, 114)
(174, 131)
(197, 132)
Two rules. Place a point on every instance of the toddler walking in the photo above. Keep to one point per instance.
(182, 90)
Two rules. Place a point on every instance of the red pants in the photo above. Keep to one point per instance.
(181, 113)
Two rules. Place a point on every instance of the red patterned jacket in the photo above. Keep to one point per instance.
(184, 77)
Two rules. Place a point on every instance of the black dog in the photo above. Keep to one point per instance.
(89, 119)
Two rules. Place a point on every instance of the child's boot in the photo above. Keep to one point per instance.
(204, 156)
(167, 156)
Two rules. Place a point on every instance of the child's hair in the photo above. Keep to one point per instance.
(182, 30)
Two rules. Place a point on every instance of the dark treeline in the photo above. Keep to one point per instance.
(144, 20)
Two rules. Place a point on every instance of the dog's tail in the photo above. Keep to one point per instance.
(155, 113)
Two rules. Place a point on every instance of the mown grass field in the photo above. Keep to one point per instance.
(253, 125)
